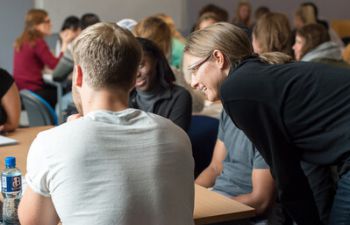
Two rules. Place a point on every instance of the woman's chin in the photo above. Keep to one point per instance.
(211, 97)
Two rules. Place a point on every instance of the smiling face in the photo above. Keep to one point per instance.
(298, 46)
(207, 75)
(147, 74)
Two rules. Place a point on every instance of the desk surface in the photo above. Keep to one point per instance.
(25, 137)
(210, 207)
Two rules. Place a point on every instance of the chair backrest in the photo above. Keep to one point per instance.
(341, 27)
(203, 134)
(39, 112)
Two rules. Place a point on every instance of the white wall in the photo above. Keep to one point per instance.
(113, 10)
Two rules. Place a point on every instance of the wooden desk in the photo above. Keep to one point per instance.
(25, 137)
(209, 206)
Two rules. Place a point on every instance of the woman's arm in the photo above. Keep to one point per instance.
(10, 102)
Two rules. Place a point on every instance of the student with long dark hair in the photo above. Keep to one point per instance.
(155, 91)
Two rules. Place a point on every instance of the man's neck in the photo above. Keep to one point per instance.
(105, 100)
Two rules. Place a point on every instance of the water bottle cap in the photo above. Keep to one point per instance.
(10, 162)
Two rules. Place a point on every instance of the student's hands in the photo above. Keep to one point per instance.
(67, 36)
(73, 117)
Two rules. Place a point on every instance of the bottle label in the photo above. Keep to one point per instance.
(11, 183)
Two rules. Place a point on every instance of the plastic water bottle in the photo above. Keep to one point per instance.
(11, 182)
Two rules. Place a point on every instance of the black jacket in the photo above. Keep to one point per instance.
(292, 112)
(174, 103)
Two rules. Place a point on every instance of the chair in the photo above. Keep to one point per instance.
(203, 134)
(39, 112)
(342, 27)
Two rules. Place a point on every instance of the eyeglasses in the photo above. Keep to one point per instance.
(194, 67)
(47, 21)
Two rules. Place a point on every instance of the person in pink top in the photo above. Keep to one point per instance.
(31, 54)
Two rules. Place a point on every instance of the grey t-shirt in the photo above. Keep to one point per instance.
(115, 168)
(242, 157)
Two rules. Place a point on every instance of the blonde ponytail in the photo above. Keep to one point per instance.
(232, 41)
(275, 58)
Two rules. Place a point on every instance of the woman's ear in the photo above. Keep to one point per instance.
(220, 59)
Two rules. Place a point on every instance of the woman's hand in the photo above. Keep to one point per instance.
(67, 36)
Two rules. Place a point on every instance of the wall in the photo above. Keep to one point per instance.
(338, 10)
(12, 20)
(112, 10)
(184, 13)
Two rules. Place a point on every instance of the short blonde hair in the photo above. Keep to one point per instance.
(109, 55)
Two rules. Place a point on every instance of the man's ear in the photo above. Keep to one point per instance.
(220, 59)
(78, 76)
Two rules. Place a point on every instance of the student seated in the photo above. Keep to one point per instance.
(313, 44)
(237, 169)
(155, 91)
(32, 54)
(110, 164)
(10, 106)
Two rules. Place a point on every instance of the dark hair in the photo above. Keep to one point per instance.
(88, 19)
(259, 12)
(164, 72)
(71, 22)
(314, 34)
(218, 11)
(313, 6)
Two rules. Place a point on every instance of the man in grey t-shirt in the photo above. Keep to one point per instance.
(109, 164)
(237, 169)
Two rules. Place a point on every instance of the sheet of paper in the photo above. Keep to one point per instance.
(7, 141)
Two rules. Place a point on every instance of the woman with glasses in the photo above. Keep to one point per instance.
(290, 111)
(32, 54)
(155, 91)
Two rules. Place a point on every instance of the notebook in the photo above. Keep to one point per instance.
(7, 141)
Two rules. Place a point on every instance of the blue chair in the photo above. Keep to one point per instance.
(39, 111)
(203, 133)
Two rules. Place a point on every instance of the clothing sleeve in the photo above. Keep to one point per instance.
(262, 124)
(181, 113)
(37, 168)
(259, 161)
(64, 67)
(221, 129)
(43, 52)
(5, 81)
